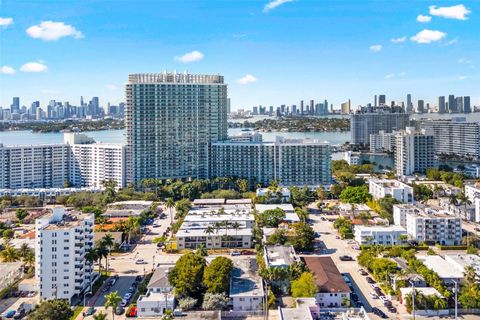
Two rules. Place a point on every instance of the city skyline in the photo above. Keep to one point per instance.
(422, 48)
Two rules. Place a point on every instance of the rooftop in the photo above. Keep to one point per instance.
(160, 277)
(444, 269)
(460, 261)
(387, 183)
(391, 228)
(185, 232)
(426, 291)
(290, 214)
(280, 255)
(245, 280)
(327, 276)
(9, 267)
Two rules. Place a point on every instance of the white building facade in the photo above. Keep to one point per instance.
(61, 241)
(400, 191)
(414, 152)
(380, 235)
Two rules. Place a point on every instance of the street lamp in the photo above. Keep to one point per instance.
(413, 298)
(84, 296)
(153, 263)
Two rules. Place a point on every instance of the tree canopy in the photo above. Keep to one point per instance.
(305, 286)
(216, 276)
(52, 310)
(187, 275)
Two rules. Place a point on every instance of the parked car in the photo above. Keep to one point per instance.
(124, 303)
(392, 309)
(119, 310)
(131, 289)
(363, 272)
(346, 258)
(127, 296)
(354, 296)
(90, 311)
(379, 313)
(235, 253)
(138, 278)
(369, 280)
(10, 314)
(19, 314)
(132, 312)
(373, 294)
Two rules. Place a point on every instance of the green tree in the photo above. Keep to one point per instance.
(9, 254)
(110, 191)
(215, 301)
(8, 234)
(187, 275)
(305, 286)
(355, 194)
(52, 309)
(170, 204)
(21, 214)
(304, 237)
(280, 236)
(216, 277)
(112, 300)
(271, 218)
(100, 316)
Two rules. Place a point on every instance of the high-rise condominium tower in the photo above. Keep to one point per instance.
(171, 121)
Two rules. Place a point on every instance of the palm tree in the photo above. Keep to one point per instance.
(29, 259)
(170, 204)
(24, 250)
(201, 250)
(462, 197)
(167, 315)
(133, 226)
(111, 300)
(470, 275)
(101, 252)
(110, 190)
(108, 242)
(235, 226)
(100, 316)
(453, 199)
(91, 256)
(439, 303)
(9, 254)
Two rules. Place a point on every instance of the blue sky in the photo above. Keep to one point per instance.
(270, 52)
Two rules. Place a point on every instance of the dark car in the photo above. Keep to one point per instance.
(370, 280)
(379, 313)
(90, 311)
(346, 258)
(392, 309)
(119, 310)
(10, 314)
(363, 272)
(354, 297)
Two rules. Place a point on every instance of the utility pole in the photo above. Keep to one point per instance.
(456, 301)
(413, 298)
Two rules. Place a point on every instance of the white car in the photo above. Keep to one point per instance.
(374, 285)
(373, 294)
(127, 296)
(140, 261)
(124, 303)
(383, 299)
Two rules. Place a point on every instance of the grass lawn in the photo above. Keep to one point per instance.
(76, 312)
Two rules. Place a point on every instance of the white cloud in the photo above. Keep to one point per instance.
(274, 4)
(428, 36)
(376, 47)
(462, 77)
(399, 40)
(390, 76)
(111, 86)
(402, 74)
(52, 31)
(5, 22)
(34, 67)
(449, 43)
(7, 70)
(458, 12)
(190, 57)
(248, 78)
(422, 18)
(464, 61)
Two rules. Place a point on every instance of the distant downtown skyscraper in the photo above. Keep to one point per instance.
(441, 104)
(409, 103)
(171, 121)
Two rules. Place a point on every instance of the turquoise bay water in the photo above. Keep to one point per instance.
(118, 136)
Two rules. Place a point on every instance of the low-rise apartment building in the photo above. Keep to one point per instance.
(380, 235)
(246, 286)
(61, 240)
(217, 223)
(400, 191)
(333, 291)
(443, 268)
(290, 214)
(434, 228)
(159, 296)
(280, 257)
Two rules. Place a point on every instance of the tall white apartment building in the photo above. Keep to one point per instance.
(289, 161)
(472, 192)
(379, 188)
(91, 163)
(61, 241)
(455, 137)
(382, 141)
(171, 120)
(434, 228)
(371, 120)
(414, 152)
(33, 166)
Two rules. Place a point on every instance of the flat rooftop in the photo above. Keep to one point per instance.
(391, 228)
(280, 255)
(222, 217)
(221, 232)
(290, 214)
(464, 260)
(444, 269)
(245, 281)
